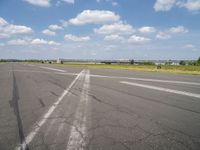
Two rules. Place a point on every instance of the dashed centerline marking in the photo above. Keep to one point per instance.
(162, 89)
(148, 80)
(52, 69)
(46, 72)
(40, 123)
(63, 72)
(31, 65)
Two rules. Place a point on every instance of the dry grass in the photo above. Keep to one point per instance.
(193, 70)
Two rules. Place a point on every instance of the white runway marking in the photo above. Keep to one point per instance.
(78, 130)
(39, 124)
(45, 72)
(31, 65)
(163, 89)
(73, 74)
(52, 69)
(62, 72)
(146, 79)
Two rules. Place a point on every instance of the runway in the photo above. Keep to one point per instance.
(49, 107)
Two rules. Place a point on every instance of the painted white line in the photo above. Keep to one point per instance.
(54, 69)
(149, 80)
(73, 74)
(78, 130)
(116, 77)
(31, 71)
(60, 73)
(162, 89)
(31, 65)
(40, 123)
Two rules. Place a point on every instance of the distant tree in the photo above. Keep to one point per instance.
(182, 62)
(195, 63)
(159, 66)
(147, 63)
(108, 63)
(198, 61)
(132, 62)
(192, 63)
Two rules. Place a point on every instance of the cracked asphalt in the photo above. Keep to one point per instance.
(97, 112)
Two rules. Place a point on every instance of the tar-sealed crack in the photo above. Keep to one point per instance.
(169, 138)
(41, 102)
(150, 99)
(15, 105)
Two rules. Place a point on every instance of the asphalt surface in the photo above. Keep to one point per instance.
(48, 107)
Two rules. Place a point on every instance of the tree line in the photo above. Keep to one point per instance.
(190, 63)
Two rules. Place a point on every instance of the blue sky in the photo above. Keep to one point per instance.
(100, 29)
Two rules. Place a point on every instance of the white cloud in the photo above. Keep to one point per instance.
(147, 29)
(53, 43)
(191, 5)
(4, 35)
(6, 29)
(48, 32)
(55, 27)
(3, 22)
(42, 3)
(95, 17)
(163, 36)
(93, 54)
(178, 29)
(134, 39)
(17, 29)
(114, 4)
(189, 46)
(64, 23)
(38, 41)
(70, 37)
(170, 32)
(113, 37)
(116, 28)
(164, 5)
(69, 1)
(17, 42)
(29, 41)
(43, 42)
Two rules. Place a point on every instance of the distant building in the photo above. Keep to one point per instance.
(159, 63)
(58, 61)
(175, 63)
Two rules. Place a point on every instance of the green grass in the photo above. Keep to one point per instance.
(193, 70)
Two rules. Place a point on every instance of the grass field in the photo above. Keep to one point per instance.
(194, 70)
(190, 70)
